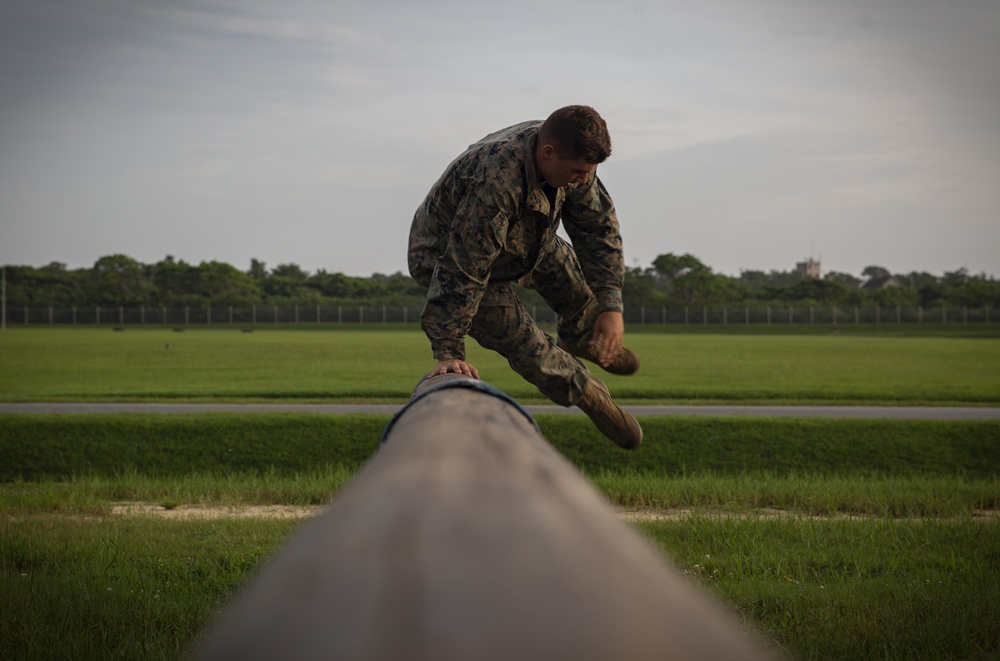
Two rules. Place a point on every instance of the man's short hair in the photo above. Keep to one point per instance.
(578, 133)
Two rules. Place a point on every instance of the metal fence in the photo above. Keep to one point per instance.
(375, 314)
(831, 316)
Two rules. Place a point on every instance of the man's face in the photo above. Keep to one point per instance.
(559, 172)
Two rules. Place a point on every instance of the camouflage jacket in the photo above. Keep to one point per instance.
(488, 218)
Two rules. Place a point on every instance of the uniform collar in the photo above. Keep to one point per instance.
(537, 200)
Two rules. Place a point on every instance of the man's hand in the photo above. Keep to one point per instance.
(609, 332)
(456, 366)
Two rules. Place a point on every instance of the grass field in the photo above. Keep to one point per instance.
(62, 364)
(835, 539)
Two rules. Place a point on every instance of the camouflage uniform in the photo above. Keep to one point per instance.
(489, 222)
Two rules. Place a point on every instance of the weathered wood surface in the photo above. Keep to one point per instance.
(468, 537)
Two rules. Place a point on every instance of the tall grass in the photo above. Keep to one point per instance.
(862, 589)
(759, 492)
(124, 588)
(37, 447)
(144, 589)
(91, 493)
(804, 494)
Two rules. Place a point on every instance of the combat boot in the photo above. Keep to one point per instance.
(612, 420)
(625, 363)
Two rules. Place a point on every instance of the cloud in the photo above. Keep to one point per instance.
(224, 19)
(743, 132)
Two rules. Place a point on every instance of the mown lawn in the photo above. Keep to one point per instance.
(61, 364)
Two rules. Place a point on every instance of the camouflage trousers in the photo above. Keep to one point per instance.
(503, 325)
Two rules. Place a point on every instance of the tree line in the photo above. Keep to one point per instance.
(683, 280)
(671, 281)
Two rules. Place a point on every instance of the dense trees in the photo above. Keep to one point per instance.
(119, 280)
(684, 281)
(671, 281)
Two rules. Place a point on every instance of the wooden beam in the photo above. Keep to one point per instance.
(469, 537)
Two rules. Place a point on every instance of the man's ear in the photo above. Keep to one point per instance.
(548, 152)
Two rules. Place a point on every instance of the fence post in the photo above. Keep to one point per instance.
(920, 314)
(899, 315)
(768, 315)
(142, 315)
(791, 314)
(97, 316)
(163, 318)
(208, 314)
(296, 313)
(685, 316)
(746, 314)
(944, 315)
(704, 315)
(230, 315)
(812, 315)
(404, 314)
(317, 313)
(725, 315)
(965, 314)
(340, 314)
(361, 314)
(857, 316)
(384, 316)
(467, 536)
(121, 315)
(642, 316)
(50, 315)
(187, 316)
(74, 315)
(275, 313)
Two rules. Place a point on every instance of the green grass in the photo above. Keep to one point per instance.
(136, 587)
(59, 364)
(836, 539)
(121, 588)
(37, 447)
(94, 494)
(676, 445)
(869, 589)
(758, 492)
(175, 445)
(803, 494)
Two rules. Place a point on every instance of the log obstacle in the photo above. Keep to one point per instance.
(467, 536)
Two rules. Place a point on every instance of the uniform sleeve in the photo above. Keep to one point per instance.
(478, 233)
(592, 225)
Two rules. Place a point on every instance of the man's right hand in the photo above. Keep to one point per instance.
(456, 367)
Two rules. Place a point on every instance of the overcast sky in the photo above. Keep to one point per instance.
(749, 134)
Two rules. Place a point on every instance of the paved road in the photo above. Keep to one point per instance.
(896, 412)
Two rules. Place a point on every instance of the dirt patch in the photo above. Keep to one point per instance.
(187, 512)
